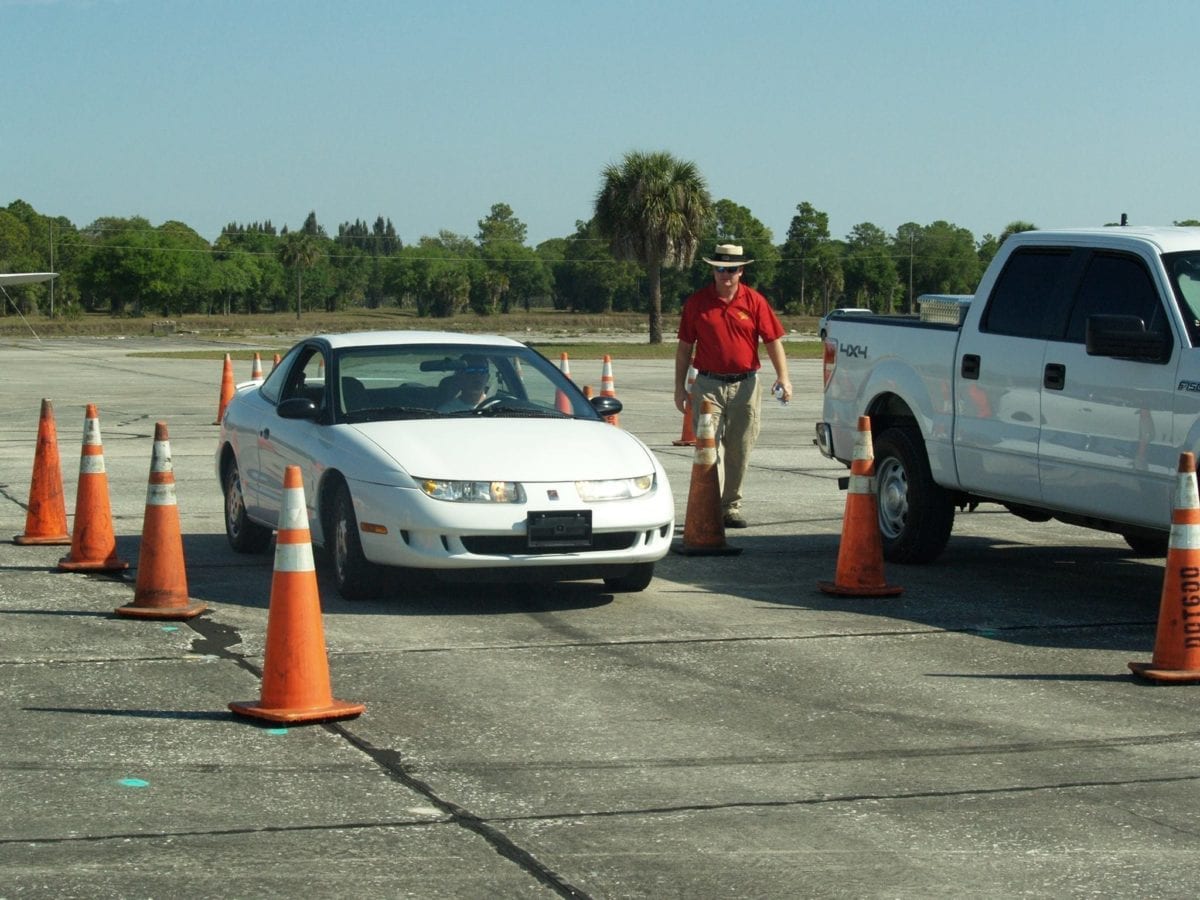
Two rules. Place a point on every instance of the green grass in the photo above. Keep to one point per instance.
(551, 332)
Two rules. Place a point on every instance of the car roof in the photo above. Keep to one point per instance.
(390, 338)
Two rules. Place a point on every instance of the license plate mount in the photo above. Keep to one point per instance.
(567, 530)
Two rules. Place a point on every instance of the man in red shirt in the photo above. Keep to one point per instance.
(721, 324)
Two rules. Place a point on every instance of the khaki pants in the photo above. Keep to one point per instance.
(736, 423)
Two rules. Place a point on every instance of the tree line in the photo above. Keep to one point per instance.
(652, 220)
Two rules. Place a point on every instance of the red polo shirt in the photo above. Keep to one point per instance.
(726, 334)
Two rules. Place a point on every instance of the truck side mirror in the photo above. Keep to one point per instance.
(1125, 337)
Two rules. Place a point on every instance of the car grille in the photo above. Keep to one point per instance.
(516, 545)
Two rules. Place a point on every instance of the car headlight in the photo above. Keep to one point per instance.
(473, 491)
(615, 488)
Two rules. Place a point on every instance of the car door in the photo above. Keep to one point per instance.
(284, 441)
(998, 375)
(1107, 446)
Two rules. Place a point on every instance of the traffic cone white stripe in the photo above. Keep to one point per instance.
(91, 432)
(1186, 496)
(705, 455)
(161, 495)
(91, 464)
(862, 484)
(294, 558)
(293, 514)
(293, 544)
(1184, 537)
(863, 448)
(160, 458)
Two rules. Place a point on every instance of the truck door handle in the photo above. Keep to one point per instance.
(1055, 377)
(970, 366)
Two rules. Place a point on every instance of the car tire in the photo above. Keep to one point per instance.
(1147, 546)
(915, 513)
(636, 579)
(244, 535)
(356, 577)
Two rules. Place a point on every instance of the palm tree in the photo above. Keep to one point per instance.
(299, 251)
(653, 209)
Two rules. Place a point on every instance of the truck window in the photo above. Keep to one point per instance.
(1022, 302)
(1120, 285)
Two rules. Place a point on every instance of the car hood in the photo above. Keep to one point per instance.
(499, 449)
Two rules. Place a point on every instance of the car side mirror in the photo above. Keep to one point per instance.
(298, 408)
(607, 406)
(1125, 337)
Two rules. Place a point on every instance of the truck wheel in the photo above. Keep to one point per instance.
(915, 514)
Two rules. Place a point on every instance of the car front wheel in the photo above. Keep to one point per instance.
(357, 578)
(244, 535)
(637, 578)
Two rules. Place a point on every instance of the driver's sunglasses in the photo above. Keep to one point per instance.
(729, 269)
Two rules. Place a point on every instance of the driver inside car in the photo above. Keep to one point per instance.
(470, 385)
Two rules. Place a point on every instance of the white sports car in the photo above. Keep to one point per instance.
(456, 454)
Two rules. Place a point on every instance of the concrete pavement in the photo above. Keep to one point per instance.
(730, 731)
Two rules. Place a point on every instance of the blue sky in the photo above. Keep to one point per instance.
(978, 113)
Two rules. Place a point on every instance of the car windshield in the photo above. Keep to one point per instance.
(452, 380)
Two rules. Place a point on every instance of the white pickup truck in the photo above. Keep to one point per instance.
(1067, 392)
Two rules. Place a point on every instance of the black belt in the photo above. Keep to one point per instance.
(728, 379)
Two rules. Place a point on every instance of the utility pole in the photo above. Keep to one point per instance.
(911, 236)
(51, 268)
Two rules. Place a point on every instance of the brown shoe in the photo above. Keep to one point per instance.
(734, 519)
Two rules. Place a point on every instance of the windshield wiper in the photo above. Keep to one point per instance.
(388, 413)
(517, 411)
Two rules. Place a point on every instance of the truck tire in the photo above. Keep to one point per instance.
(915, 513)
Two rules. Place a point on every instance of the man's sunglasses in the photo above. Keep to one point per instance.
(729, 269)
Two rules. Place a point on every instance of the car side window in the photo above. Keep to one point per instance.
(274, 383)
(307, 378)
(1023, 300)
(1116, 284)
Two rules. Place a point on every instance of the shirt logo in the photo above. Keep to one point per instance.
(551, 494)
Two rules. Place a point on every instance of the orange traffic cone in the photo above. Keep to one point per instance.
(93, 544)
(46, 516)
(256, 373)
(607, 388)
(161, 591)
(275, 362)
(687, 438)
(1177, 641)
(226, 389)
(704, 525)
(860, 555)
(587, 391)
(561, 401)
(295, 682)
